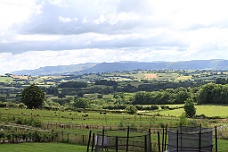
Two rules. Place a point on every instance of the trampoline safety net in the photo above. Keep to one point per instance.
(129, 143)
(190, 139)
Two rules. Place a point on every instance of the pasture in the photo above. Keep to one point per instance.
(76, 121)
(6, 80)
(207, 110)
(100, 118)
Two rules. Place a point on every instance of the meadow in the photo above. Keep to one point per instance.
(207, 110)
(96, 120)
(100, 118)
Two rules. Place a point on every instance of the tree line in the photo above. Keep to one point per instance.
(210, 93)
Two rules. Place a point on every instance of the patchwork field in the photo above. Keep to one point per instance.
(150, 76)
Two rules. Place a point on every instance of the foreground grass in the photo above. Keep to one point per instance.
(222, 145)
(42, 147)
(59, 147)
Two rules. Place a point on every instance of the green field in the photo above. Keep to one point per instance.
(6, 80)
(207, 110)
(101, 119)
(93, 118)
(42, 147)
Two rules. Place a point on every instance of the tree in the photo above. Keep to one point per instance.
(205, 93)
(189, 108)
(181, 96)
(33, 96)
(213, 93)
(81, 103)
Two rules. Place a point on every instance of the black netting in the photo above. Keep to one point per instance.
(122, 142)
(190, 139)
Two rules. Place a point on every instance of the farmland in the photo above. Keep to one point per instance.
(207, 110)
(158, 97)
(76, 122)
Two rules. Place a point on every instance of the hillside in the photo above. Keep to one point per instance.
(127, 66)
(56, 70)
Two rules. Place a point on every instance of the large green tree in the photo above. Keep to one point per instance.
(33, 96)
(213, 93)
(81, 103)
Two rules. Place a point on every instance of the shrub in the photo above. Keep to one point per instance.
(154, 107)
(164, 107)
(131, 109)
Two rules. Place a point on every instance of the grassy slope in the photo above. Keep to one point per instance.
(112, 119)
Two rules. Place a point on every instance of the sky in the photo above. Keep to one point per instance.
(38, 33)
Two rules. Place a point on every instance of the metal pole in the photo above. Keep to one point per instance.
(216, 139)
(145, 140)
(177, 141)
(159, 148)
(128, 131)
(150, 147)
(93, 142)
(166, 132)
(200, 140)
(116, 143)
(181, 131)
(163, 137)
(102, 138)
(90, 133)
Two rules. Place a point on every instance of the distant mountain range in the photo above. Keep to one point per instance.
(126, 66)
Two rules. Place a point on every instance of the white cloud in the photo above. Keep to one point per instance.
(67, 19)
(59, 3)
(12, 12)
(113, 19)
(36, 33)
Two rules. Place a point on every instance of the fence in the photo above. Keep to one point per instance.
(13, 133)
(20, 133)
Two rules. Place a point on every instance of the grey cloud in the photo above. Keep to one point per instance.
(48, 21)
(82, 42)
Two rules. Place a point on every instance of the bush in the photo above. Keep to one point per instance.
(165, 107)
(22, 106)
(154, 107)
(115, 107)
(3, 104)
(131, 109)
